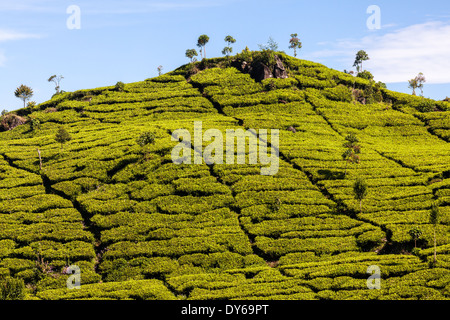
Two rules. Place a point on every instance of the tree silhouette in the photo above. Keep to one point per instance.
(23, 92)
(360, 57)
(191, 54)
(57, 80)
(417, 83)
(228, 49)
(295, 43)
(201, 43)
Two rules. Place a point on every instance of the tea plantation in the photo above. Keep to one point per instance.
(142, 227)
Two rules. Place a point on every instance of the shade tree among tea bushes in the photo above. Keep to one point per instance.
(62, 136)
(360, 191)
(352, 151)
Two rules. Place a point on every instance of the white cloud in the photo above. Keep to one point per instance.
(401, 54)
(8, 35)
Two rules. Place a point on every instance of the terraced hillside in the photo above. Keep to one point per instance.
(141, 227)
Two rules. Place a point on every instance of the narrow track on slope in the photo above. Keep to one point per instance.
(341, 207)
(234, 208)
(88, 226)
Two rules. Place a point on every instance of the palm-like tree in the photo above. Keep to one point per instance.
(201, 43)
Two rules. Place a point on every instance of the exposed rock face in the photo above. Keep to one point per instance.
(11, 121)
(259, 71)
(279, 69)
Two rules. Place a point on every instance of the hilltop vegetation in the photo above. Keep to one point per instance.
(142, 227)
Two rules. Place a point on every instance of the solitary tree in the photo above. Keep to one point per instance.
(146, 138)
(56, 80)
(271, 45)
(191, 54)
(415, 234)
(228, 49)
(295, 43)
(62, 136)
(160, 68)
(201, 43)
(417, 83)
(352, 151)
(360, 191)
(434, 220)
(120, 86)
(360, 57)
(23, 92)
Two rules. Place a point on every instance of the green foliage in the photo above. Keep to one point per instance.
(361, 56)
(24, 93)
(62, 136)
(365, 75)
(225, 231)
(120, 86)
(339, 93)
(294, 43)
(415, 234)
(191, 54)
(12, 289)
(146, 138)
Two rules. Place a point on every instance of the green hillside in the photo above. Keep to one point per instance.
(141, 227)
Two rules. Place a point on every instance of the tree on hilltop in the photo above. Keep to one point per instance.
(361, 56)
(417, 83)
(191, 54)
(295, 43)
(24, 93)
(228, 49)
(201, 43)
(56, 80)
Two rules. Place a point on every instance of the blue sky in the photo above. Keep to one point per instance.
(127, 40)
